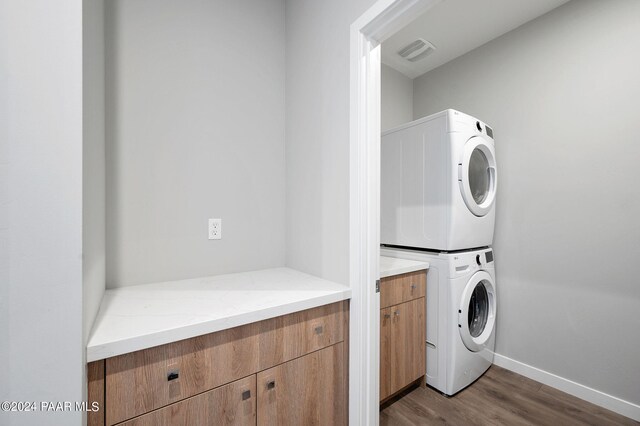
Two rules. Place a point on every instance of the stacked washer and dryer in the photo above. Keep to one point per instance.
(438, 189)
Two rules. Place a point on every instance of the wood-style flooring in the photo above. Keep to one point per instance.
(499, 397)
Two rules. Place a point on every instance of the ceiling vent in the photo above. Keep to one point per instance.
(416, 50)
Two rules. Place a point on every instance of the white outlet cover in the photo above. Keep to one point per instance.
(215, 229)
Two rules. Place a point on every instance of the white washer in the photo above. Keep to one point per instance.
(438, 183)
(461, 315)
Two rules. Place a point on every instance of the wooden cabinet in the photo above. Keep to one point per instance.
(402, 288)
(305, 391)
(175, 381)
(142, 381)
(290, 336)
(408, 343)
(402, 332)
(232, 404)
(385, 353)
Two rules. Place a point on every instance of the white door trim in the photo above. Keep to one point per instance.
(378, 23)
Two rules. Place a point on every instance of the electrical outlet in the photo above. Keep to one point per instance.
(215, 229)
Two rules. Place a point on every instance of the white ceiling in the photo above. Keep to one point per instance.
(456, 27)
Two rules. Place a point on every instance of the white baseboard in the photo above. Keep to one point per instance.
(602, 399)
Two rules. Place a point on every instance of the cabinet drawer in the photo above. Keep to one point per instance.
(402, 288)
(300, 333)
(141, 381)
(232, 404)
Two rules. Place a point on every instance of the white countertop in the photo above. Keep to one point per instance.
(143, 316)
(390, 266)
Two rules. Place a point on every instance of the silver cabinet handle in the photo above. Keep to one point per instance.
(397, 313)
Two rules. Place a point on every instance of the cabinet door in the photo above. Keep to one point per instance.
(385, 353)
(305, 391)
(408, 342)
(232, 404)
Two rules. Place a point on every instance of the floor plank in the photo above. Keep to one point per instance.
(499, 397)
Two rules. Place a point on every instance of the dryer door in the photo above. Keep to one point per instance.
(477, 176)
(477, 313)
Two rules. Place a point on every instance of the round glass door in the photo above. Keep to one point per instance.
(478, 310)
(477, 176)
(479, 179)
(477, 313)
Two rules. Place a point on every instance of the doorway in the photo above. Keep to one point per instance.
(381, 21)
(379, 25)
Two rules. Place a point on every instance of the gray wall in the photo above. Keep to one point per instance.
(195, 130)
(93, 161)
(396, 98)
(563, 94)
(317, 148)
(41, 345)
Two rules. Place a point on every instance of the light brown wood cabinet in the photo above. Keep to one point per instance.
(305, 391)
(402, 331)
(188, 382)
(232, 404)
(385, 353)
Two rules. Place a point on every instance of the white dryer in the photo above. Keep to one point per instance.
(461, 315)
(438, 183)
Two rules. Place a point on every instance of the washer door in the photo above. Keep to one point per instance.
(477, 175)
(477, 313)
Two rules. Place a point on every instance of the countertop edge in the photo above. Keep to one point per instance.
(133, 344)
(404, 269)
